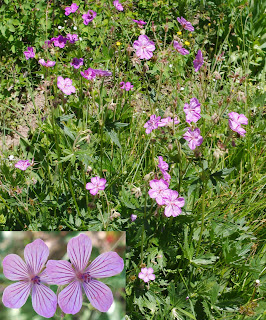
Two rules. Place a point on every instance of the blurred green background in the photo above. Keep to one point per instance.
(15, 242)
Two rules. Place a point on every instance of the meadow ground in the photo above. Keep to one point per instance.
(147, 117)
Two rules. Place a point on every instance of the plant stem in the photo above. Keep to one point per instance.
(202, 217)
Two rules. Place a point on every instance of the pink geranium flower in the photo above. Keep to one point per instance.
(118, 5)
(102, 73)
(22, 164)
(73, 8)
(167, 122)
(59, 41)
(144, 47)
(46, 64)
(65, 85)
(173, 203)
(157, 191)
(31, 279)
(88, 17)
(88, 74)
(95, 185)
(198, 62)
(72, 38)
(80, 273)
(29, 53)
(192, 110)
(126, 86)
(77, 62)
(185, 24)
(146, 274)
(235, 122)
(194, 138)
(133, 217)
(140, 22)
(162, 165)
(180, 48)
(152, 123)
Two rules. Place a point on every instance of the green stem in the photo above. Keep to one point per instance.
(143, 228)
(202, 217)
(72, 192)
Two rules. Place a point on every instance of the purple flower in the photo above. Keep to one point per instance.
(30, 53)
(235, 122)
(77, 62)
(162, 164)
(198, 62)
(73, 8)
(133, 217)
(88, 17)
(152, 123)
(95, 185)
(185, 24)
(140, 22)
(167, 122)
(88, 74)
(22, 164)
(102, 73)
(157, 191)
(65, 85)
(127, 86)
(46, 64)
(146, 274)
(31, 279)
(194, 138)
(60, 41)
(72, 38)
(118, 5)
(80, 274)
(192, 110)
(173, 203)
(180, 49)
(144, 47)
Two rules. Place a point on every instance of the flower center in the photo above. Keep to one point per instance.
(36, 280)
(85, 277)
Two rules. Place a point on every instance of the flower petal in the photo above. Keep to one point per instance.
(44, 300)
(79, 251)
(105, 265)
(70, 298)
(60, 272)
(14, 268)
(36, 254)
(16, 294)
(99, 295)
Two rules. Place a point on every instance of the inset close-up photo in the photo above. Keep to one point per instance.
(62, 275)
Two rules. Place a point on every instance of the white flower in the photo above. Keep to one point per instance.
(80, 39)
(75, 28)
(11, 157)
(59, 27)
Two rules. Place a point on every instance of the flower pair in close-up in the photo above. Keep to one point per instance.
(36, 273)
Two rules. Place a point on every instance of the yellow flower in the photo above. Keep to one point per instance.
(179, 33)
(190, 35)
(209, 24)
(187, 43)
(118, 43)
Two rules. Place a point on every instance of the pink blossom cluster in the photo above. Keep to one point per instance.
(65, 85)
(77, 62)
(185, 24)
(144, 47)
(163, 166)
(46, 64)
(35, 274)
(156, 122)
(235, 122)
(193, 137)
(96, 185)
(126, 86)
(166, 197)
(90, 73)
(118, 5)
(88, 17)
(23, 164)
(192, 110)
(146, 274)
(73, 8)
(180, 48)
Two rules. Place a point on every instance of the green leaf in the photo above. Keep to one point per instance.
(114, 138)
